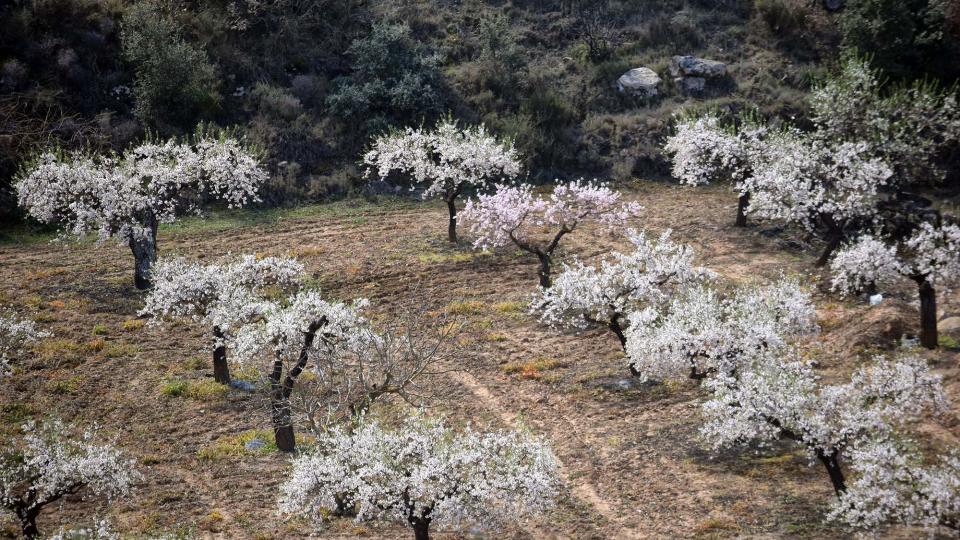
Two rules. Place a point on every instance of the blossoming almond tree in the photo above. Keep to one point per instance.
(287, 337)
(705, 151)
(582, 296)
(391, 361)
(896, 483)
(773, 395)
(130, 195)
(513, 214)
(830, 189)
(700, 332)
(49, 463)
(15, 333)
(423, 474)
(929, 256)
(223, 296)
(448, 159)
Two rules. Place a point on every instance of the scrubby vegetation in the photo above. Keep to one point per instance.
(369, 378)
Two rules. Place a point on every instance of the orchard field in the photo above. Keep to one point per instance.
(631, 463)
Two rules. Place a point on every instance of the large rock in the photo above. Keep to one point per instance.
(641, 81)
(691, 66)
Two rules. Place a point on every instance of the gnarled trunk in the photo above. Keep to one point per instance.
(742, 204)
(617, 330)
(421, 529)
(835, 237)
(28, 522)
(832, 465)
(928, 315)
(221, 370)
(280, 392)
(143, 244)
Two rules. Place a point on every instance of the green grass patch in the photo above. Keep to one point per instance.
(205, 390)
(232, 446)
(466, 307)
(948, 342)
(99, 329)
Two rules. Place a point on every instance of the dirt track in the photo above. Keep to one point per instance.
(633, 464)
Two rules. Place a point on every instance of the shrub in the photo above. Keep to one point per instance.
(393, 80)
(780, 16)
(905, 37)
(175, 81)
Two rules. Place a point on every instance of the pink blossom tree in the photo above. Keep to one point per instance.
(130, 195)
(222, 296)
(49, 463)
(446, 159)
(514, 214)
(424, 474)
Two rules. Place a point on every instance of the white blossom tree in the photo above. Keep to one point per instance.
(776, 394)
(929, 256)
(222, 296)
(130, 195)
(49, 463)
(15, 334)
(290, 335)
(513, 214)
(704, 150)
(830, 189)
(701, 332)
(393, 357)
(908, 126)
(582, 296)
(894, 483)
(448, 159)
(423, 474)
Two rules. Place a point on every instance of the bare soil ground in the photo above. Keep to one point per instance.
(630, 453)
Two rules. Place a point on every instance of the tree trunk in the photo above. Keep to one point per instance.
(832, 246)
(144, 248)
(543, 272)
(421, 529)
(221, 370)
(928, 315)
(618, 331)
(452, 224)
(742, 204)
(28, 523)
(283, 426)
(833, 469)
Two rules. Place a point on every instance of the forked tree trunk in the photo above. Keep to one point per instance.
(452, 224)
(928, 315)
(144, 248)
(28, 523)
(221, 370)
(742, 204)
(421, 530)
(832, 465)
(280, 392)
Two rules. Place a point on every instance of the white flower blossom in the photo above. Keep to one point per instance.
(654, 272)
(48, 464)
(423, 474)
(15, 333)
(700, 332)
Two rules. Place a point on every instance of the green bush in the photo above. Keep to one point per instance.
(393, 80)
(176, 84)
(780, 16)
(905, 38)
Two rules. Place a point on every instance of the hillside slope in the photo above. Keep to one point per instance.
(630, 454)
